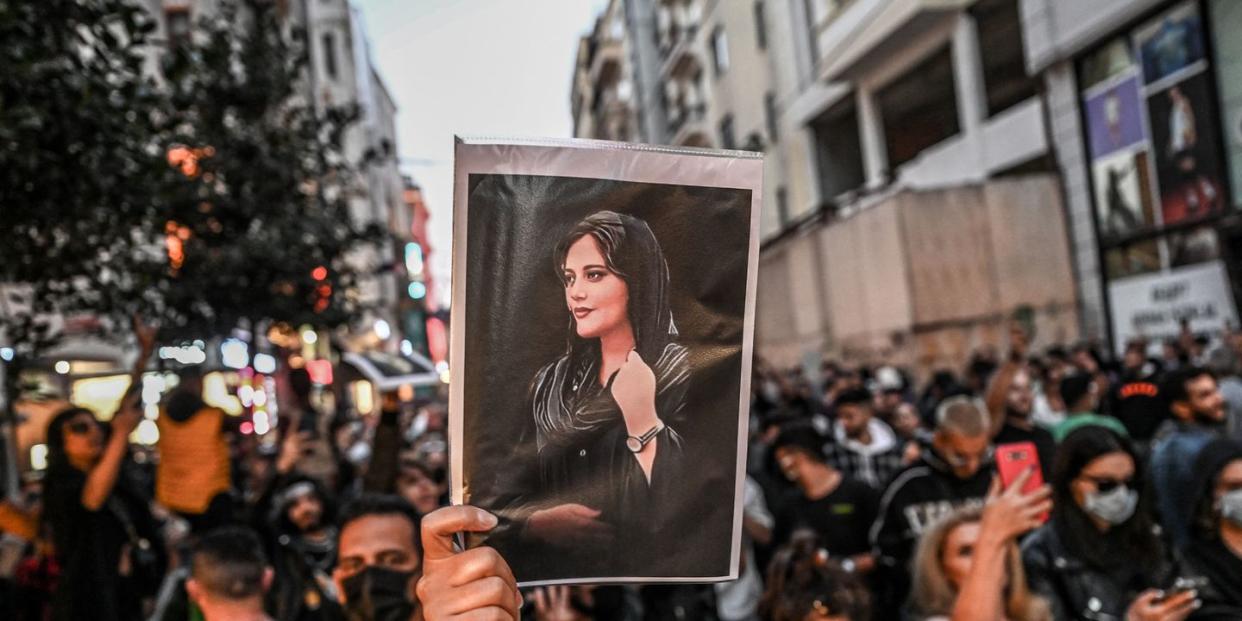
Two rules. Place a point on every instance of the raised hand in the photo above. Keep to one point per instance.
(474, 584)
(634, 389)
(1011, 512)
(128, 415)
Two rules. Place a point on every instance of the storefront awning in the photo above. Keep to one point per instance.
(391, 371)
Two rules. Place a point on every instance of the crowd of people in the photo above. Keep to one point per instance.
(866, 497)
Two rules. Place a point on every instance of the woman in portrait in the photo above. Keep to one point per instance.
(606, 410)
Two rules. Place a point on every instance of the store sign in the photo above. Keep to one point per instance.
(1153, 306)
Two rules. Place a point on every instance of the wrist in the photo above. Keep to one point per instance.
(641, 420)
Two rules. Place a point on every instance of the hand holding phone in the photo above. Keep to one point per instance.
(1012, 460)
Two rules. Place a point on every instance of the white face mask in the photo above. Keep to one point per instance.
(1114, 506)
(1230, 506)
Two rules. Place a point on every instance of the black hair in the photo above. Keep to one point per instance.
(229, 562)
(300, 384)
(802, 437)
(1212, 459)
(632, 252)
(57, 459)
(1131, 545)
(382, 504)
(1174, 385)
(280, 505)
(802, 579)
(853, 396)
(1074, 387)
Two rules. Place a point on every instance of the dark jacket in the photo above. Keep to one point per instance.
(1206, 555)
(1076, 590)
(915, 499)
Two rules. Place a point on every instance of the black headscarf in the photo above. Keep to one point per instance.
(1205, 551)
(567, 399)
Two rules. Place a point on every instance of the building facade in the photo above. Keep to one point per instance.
(1145, 107)
(912, 209)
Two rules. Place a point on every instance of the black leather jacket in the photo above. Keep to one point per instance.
(1076, 590)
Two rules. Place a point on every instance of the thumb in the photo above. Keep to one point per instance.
(634, 356)
(439, 527)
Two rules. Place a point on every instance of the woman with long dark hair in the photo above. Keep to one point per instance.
(108, 544)
(605, 411)
(1100, 556)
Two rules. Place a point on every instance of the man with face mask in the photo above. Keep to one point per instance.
(1197, 417)
(1214, 550)
(952, 472)
(826, 501)
(380, 559)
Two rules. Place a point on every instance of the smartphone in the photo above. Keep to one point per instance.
(1183, 584)
(1014, 459)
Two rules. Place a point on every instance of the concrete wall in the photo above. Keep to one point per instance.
(922, 278)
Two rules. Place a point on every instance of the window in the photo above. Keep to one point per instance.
(769, 115)
(761, 26)
(329, 54)
(727, 138)
(1004, 66)
(177, 25)
(720, 51)
(838, 150)
(919, 109)
(782, 207)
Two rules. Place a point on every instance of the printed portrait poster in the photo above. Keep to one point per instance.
(1115, 117)
(602, 330)
(1170, 43)
(1187, 155)
(1123, 196)
(1226, 17)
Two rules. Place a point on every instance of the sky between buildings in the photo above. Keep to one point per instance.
(472, 67)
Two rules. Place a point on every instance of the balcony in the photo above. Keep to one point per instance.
(606, 62)
(688, 125)
(861, 33)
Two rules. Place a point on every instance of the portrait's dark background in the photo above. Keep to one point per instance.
(517, 322)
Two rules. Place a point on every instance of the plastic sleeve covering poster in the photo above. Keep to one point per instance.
(602, 329)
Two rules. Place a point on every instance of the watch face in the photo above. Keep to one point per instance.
(633, 444)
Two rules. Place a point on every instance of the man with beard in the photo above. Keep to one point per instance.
(380, 558)
(303, 551)
(864, 447)
(1011, 397)
(1198, 417)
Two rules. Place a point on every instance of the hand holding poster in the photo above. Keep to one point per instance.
(603, 313)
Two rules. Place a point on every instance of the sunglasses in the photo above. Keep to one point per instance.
(1105, 485)
(80, 427)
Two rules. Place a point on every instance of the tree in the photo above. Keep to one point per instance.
(260, 215)
(78, 167)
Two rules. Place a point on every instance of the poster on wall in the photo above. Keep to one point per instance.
(1184, 142)
(1170, 43)
(1226, 19)
(1122, 194)
(1115, 117)
(1153, 306)
(603, 322)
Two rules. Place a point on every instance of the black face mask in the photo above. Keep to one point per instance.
(379, 594)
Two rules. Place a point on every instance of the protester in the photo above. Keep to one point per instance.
(1197, 417)
(192, 477)
(421, 485)
(229, 576)
(1011, 402)
(950, 473)
(1136, 400)
(379, 559)
(968, 567)
(864, 447)
(1048, 410)
(805, 584)
(1081, 394)
(739, 600)
(827, 502)
(1099, 557)
(477, 581)
(1214, 550)
(302, 545)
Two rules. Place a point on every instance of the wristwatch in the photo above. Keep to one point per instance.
(636, 444)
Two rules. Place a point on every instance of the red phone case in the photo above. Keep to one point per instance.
(1014, 459)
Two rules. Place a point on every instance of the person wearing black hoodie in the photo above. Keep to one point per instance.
(1214, 551)
(952, 472)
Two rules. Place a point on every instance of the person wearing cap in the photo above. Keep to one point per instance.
(1214, 548)
(1081, 395)
(863, 447)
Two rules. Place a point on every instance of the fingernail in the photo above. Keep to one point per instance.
(1198, 604)
(490, 520)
